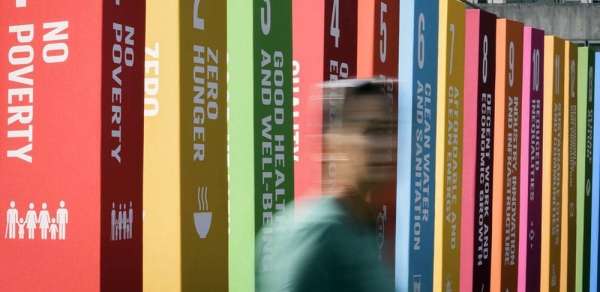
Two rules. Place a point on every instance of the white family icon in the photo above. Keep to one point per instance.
(33, 220)
(121, 222)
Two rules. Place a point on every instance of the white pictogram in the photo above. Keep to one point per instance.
(44, 221)
(62, 218)
(202, 219)
(30, 221)
(448, 283)
(553, 277)
(417, 283)
(53, 229)
(12, 216)
(33, 220)
(588, 188)
(121, 222)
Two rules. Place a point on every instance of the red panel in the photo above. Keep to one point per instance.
(123, 31)
(65, 77)
(308, 48)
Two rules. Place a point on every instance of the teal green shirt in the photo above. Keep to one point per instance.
(329, 248)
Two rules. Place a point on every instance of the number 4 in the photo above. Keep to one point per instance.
(334, 28)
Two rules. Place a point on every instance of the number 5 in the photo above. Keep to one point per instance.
(383, 33)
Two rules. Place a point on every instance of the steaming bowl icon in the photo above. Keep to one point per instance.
(202, 222)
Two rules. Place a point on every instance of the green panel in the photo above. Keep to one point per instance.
(585, 108)
(241, 139)
(260, 132)
(273, 124)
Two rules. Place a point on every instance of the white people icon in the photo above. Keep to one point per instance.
(33, 220)
(62, 218)
(12, 218)
(121, 222)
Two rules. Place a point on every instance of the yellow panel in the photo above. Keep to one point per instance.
(449, 146)
(552, 162)
(569, 186)
(185, 183)
(162, 256)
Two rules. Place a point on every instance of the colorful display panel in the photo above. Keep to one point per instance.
(552, 163)
(185, 182)
(449, 147)
(377, 57)
(585, 124)
(595, 201)
(340, 57)
(71, 145)
(308, 24)
(531, 160)
(260, 131)
(417, 115)
(507, 140)
(569, 186)
(478, 139)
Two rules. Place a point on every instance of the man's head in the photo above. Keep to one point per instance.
(363, 141)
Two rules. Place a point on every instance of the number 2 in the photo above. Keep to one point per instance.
(198, 22)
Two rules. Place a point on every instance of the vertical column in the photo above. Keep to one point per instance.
(385, 67)
(240, 128)
(552, 163)
(68, 160)
(377, 43)
(272, 103)
(307, 69)
(478, 141)
(531, 160)
(203, 144)
(417, 115)
(340, 63)
(50, 144)
(507, 140)
(261, 141)
(569, 187)
(449, 147)
(162, 172)
(595, 183)
(585, 142)
(122, 120)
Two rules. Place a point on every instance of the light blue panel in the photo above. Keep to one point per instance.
(595, 182)
(417, 101)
